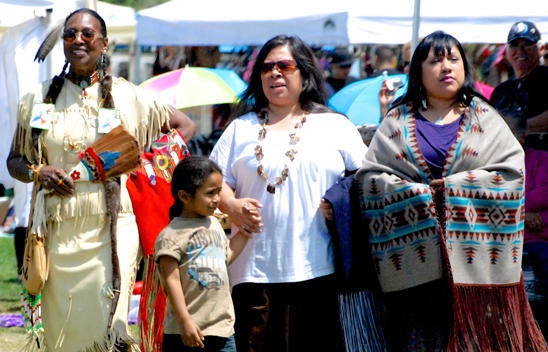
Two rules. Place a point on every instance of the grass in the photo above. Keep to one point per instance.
(12, 338)
(9, 286)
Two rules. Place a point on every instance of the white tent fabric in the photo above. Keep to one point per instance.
(19, 74)
(242, 22)
(342, 22)
(470, 21)
(120, 20)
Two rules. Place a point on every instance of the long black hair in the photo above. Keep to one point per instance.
(313, 96)
(441, 43)
(189, 174)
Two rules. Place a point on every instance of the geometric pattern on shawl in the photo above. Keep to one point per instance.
(484, 229)
(483, 206)
(405, 243)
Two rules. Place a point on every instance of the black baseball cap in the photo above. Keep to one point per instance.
(524, 30)
(342, 58)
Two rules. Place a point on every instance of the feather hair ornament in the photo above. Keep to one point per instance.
(49, 42)
(112, 155)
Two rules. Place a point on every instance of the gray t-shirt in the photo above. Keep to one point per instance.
(202, 250)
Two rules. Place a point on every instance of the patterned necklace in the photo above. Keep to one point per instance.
(83, 81)
(290, 153)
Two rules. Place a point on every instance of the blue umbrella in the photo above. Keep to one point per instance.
(359, 100)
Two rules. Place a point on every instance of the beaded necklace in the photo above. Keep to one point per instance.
(290, 153)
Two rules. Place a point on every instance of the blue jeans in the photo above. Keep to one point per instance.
(173, 343)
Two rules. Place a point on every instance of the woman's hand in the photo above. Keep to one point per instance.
(438, 185)
(55, 179)
(247, 216)
(533, 221)
(386, 97)
(327, 210)
(243, 212)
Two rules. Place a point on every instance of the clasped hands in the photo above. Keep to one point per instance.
(247, 216)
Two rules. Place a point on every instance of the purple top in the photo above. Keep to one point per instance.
(536, 190)
(434, 141)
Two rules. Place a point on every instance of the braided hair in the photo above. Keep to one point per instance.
(105, 79)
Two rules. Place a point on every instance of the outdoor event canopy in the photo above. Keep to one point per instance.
(470, 21)
(120, 20)
(341, 22)
(242, 22)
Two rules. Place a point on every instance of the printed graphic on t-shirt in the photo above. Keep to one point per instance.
(208, 259)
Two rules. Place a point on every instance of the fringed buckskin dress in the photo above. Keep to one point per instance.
(77, 297)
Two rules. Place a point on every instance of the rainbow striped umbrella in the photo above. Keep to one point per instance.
(196, 86)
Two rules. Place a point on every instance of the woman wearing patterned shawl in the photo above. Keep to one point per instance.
(443, 197)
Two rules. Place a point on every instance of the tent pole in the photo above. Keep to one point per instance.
(416, 25)
(91, 4)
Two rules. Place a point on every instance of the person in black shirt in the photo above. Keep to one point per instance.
(340, 64)
(523, 100)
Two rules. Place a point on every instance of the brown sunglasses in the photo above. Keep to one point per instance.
(88, 34)
(283, 66)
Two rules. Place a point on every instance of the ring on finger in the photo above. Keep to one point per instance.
(59, 182)
(244, 226)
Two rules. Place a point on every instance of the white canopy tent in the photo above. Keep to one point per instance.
(120, 20)
(242, 22)
(470, 21)
(342, 22)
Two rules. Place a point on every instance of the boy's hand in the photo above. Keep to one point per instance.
(191, 334)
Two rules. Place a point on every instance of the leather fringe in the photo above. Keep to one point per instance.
(152, 308)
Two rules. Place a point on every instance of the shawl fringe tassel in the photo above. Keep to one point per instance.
(494, 318)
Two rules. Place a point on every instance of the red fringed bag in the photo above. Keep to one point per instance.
(150, 191)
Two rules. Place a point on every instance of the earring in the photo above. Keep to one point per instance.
(64, 68)
(424, 104)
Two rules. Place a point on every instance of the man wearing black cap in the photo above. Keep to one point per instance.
(341, 61)
(523, 100)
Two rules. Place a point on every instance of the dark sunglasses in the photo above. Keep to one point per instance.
(284, 66)
(524, 44)
(88, 34)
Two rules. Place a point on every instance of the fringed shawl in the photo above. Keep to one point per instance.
(476, 244)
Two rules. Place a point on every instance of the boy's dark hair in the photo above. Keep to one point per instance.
(189, 174)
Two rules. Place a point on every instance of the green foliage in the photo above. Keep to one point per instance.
(136, 4)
